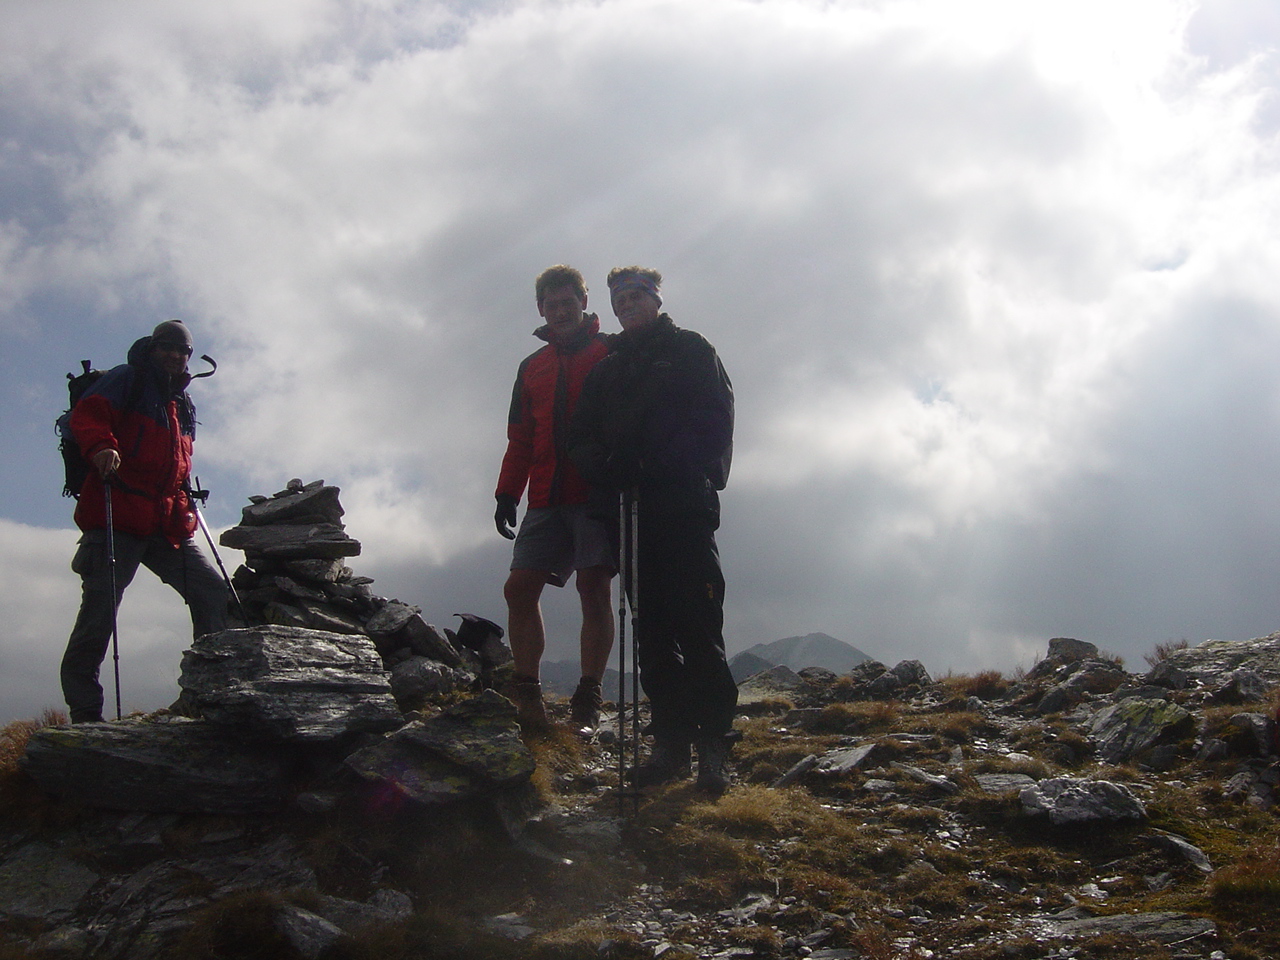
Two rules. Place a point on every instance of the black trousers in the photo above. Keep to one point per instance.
(184, 568)
(680, 645)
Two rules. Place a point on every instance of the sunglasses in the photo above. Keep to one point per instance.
(174, 348)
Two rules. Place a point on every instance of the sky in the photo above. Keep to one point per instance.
(994, 282)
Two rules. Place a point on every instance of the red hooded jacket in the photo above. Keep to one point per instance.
(542, 403)
(152, 428)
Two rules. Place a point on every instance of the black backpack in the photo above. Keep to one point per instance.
(75, 467)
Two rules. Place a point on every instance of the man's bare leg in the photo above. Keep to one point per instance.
(528, 639)
(595, 592)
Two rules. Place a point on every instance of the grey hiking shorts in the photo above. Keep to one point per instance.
(561, 540)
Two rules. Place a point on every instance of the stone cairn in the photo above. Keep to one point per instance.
(295, 575)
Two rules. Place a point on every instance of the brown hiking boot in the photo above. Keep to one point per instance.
(584, 707)
(526, 694)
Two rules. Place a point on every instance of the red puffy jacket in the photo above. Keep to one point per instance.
(542, 403)
(152, 428)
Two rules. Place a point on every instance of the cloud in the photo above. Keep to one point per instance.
(960, 261)
(40, 597)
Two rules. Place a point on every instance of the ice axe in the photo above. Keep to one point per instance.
(202, 496)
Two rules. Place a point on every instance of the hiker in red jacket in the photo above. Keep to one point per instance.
(135, 427)
(557, 536)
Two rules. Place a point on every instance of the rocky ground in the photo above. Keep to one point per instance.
(1078, 811)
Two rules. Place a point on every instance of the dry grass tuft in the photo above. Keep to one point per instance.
(988, 685)
(1162, 651)
(19, 795)
(1253, 879)
(860, 718)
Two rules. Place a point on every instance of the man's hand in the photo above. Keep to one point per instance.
(106, 462)
(504, 518)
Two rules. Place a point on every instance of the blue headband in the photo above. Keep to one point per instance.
(634, 281)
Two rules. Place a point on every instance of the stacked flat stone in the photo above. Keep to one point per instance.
(294, 575)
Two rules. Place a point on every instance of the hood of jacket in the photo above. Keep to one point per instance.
(584, 335)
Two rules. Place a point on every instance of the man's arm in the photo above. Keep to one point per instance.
(691, 436)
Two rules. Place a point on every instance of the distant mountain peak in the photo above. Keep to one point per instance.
(810, 650)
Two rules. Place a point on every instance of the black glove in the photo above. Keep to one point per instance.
(504, 518)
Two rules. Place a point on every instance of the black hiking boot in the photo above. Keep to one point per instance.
(668, 760)
(713, 754)
(584, 707)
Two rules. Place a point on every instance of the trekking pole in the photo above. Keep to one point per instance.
(115, 597)
(202, 496)
(635, 628)
(622, 652)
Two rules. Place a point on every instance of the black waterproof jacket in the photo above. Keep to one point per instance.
(656, 414)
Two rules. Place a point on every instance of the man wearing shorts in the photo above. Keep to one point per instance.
(557, 536)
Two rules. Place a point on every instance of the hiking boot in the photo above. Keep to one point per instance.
(584, 707)
(526, 694)
(713, 754)
(668, 760)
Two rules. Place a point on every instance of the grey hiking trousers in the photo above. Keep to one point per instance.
(184, 568)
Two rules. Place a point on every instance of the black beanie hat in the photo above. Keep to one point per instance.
(172, 331)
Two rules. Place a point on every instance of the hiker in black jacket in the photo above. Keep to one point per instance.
(656, 417)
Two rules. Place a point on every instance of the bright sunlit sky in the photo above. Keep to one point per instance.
(996, 283)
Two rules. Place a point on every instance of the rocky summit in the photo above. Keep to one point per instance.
(364, 792)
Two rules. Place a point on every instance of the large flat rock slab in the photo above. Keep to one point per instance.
(289, 684)
(169, 765)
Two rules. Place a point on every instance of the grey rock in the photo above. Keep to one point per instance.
(39, 882)
(1004, 782)
(798, 770)
(1262, 728)
(292, 588)
(67, 942)
(289, 684)
(1166, 674)
(1161, 927)
(1125, 729)
(1212, 750)
(1059, 697)
(314, 505)
(308, 933)
(867, 671)
(929, 779)
(286, 615)
(1066, 801)
(385, 906)
(323, 571)
(839, 762)
(1067, 648)
(416, 679)
(426, 641)
(1162, 759)
(472, 749)
(911, 672)
(1213, 659)
(1241, 685)
(319, 616)
(390, 618)
(884, 686)
(1095, 676)
(1183, 848)
(510, 926)
(292, 542)
(172, 764)
(768, 685)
